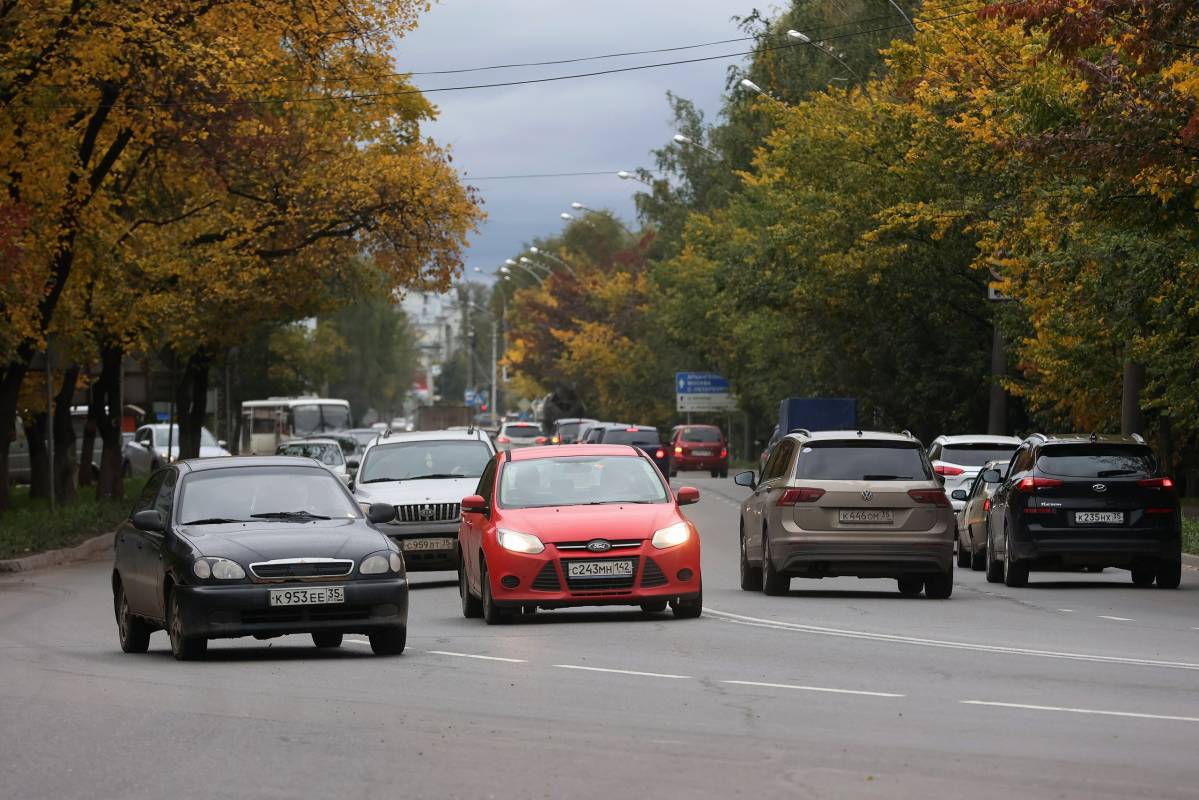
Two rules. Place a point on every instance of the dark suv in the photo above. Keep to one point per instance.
(1084, 501)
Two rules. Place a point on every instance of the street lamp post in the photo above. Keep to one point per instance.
(538, 252)
(805, 39)
(687, 140)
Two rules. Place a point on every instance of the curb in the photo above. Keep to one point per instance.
(90, 549)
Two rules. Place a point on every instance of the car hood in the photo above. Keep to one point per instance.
(205, 452)
(402, 493)
(255, 541)
(580, 523)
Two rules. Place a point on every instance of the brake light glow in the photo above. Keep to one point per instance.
(1159, 511)
(555, 440)
(802, 494)
(935, 496)
(724, 452)
(660, 454)
(945, 469)
(678, 451)
(541, 440)
(1156, 483)
(987, 506)
(503, 440)
(630, 430)
(1032, 484)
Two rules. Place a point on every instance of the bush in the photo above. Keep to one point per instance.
(30, 527)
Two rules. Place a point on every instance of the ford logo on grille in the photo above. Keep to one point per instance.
(599, 545)
(1099, 487)
(426, 512)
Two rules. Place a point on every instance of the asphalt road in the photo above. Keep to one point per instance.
(1078, 686)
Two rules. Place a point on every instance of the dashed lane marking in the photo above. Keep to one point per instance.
(1068, 710)
(1116, 619)
(357, 641)
(814, 689)
(623, 672)
(479, 657)
(919, 641)
(1066, 610)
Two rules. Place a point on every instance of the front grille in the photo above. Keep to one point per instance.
(428, 512)
(594, 585)
(283, 569)
(582, 545)
(653, 575)
(294, 614)
(547, 579)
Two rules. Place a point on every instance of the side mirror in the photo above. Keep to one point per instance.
(746, 478)
(958, 494)
(381, 512)
(221, 443)
(992, 476)
(941, 479)
(687, 495)
(474, 504)
(352, 464)
(150, 520)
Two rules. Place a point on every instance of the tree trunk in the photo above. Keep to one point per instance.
(106, 397)
(39, 457)
(11, 378)
(86, 476)
(1165, 445)
(997, 411)
(1132, 419)
(66, 489)
(191, 402)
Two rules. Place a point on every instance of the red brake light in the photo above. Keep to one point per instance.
(801, 495)
(541, 440)
(1032, 484)
(502, 440)
(942, 469)
(678, 451)
(1039, 510)
(987, 506)
(660, 454)
(1157, 483)
(630, 430)
(724, 452)
(935, 496)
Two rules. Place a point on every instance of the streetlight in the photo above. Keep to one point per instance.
(753, 87)
(533, 263)
(536, 275)
(805, 39)
(537, 252)
(625, 175)
(687, 140)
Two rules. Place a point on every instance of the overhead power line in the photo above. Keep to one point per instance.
(609, 172)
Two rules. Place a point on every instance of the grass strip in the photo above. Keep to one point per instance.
(31, 527)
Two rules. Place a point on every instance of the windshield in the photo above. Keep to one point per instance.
(700, 435)
(248, 493)
(317, 418)
(1097, 460)
(428, 459)
(580, 480)
(328, 454)
(975, 455)
(161, 434)
(862, 461)
(647, 437)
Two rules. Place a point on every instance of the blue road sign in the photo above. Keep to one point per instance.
(700, 383)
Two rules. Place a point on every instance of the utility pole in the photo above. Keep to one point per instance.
(997, 410)
(495, 360)
(50, 420)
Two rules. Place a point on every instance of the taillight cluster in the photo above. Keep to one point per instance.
(502, 440)
(945, 469)
(1157, 483)
(724, 452)
(802, 494)
(1033, 484)
(660, 454)
(936, 497)
(540, 440)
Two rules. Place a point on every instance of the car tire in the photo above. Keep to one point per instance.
(724, 473)
(910, 585)
(327, 639)
(751, 576)
(1169, 574)
(134, 632)
(963, 554)
(184, 648)
(978, 561)
(993, 565)
(656, 607)
(690, 608)
(714, 473)
(1015, 574)
(1144, 574)
(674, 473)
(472, 607)
(492, 614)
(389, 641)
(939, 586)
(774, 583)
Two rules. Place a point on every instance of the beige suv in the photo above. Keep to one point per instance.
(847, 503)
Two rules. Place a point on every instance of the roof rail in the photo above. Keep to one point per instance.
(1042, 437)
(803, 431)
(907, 433)
(1136, 437)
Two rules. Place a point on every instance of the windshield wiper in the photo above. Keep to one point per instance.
(380, 480)
(289, 515)
(886, 477)
(438, 475)
(212, 521)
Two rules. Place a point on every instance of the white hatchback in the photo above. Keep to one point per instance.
(958, 459)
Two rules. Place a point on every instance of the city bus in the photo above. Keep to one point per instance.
(266, 424)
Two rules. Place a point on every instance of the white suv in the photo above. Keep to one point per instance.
(958, 459)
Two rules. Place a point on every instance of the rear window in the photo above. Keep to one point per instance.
(975, 455)
(524, 429)
(568, 432)
(700, 435)
(859, 461)
(644, 437)
(1097, 460)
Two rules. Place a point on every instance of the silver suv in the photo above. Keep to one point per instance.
(855, 503)
(958, 459)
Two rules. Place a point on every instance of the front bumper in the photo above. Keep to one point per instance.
(226, 612)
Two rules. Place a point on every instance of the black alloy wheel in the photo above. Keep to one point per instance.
(492, 614)
(774, 583)
(327, 639)
(715, 473)
(724, 473)
(994, 566)
(472, 607)
(690, 608)
(133, 631)
(389, 641)
(184, 648)
(910, 585)
(939, 586)
(751, 576)
(1015, 573)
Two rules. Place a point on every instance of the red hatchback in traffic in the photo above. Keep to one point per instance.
(576, 525)
(700, 447)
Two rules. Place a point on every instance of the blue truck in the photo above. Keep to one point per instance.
(813, 414)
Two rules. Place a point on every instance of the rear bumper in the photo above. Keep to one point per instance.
(820, 557)
(1115, 548)
(685, 463)
(226, 612)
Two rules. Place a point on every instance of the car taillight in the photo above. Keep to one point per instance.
(1159, 511)
(1156, 483)
(502, 440)
(678, 451)
(1032, 484)
(660, 454)
(945, 469)
(935, 496)
(541, 440)
(802, 494)
(724, 452)
(987, 506)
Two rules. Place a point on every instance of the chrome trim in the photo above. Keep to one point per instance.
(349, 563)
(615, 546)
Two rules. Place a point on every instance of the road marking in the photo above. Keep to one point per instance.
(357, 641)
(479, 657)
(1116, 619)
(813, 689)
(1068, 710)
(624, 672)
(1066, 610)
(982, 648)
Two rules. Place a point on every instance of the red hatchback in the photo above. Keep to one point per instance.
(576, 525)
(700, 447)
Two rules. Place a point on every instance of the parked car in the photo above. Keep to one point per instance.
(644, 437)
(255, 546)
(587, 525)
(855, 503)
(566, 430)
(958, 459)
(699, 447)
(1090, 501)
(424, 475)
(514, 435)
(972, 519)
(326, 451)
(155, 446)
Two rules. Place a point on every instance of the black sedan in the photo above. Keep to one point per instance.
(256, 546)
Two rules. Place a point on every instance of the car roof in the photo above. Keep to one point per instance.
(549, 451)
(226, 462)
(310, 440)
(980, 438)
(886, 436)
(450, 435)
(572, 420)
(1085, 438)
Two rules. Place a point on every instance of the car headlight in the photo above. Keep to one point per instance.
(671, 536)
(202, 569)
(380, 563)
(396, 561)
(518, 542)
(220, 568)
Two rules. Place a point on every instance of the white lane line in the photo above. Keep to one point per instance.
(479, 657)
(1116, 619)
(1068, 710)
(982, 648)
(357, 641)
(813, 689)
(623, 672)
(1066, 610)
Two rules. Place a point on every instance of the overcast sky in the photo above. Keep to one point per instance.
(599, 123)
